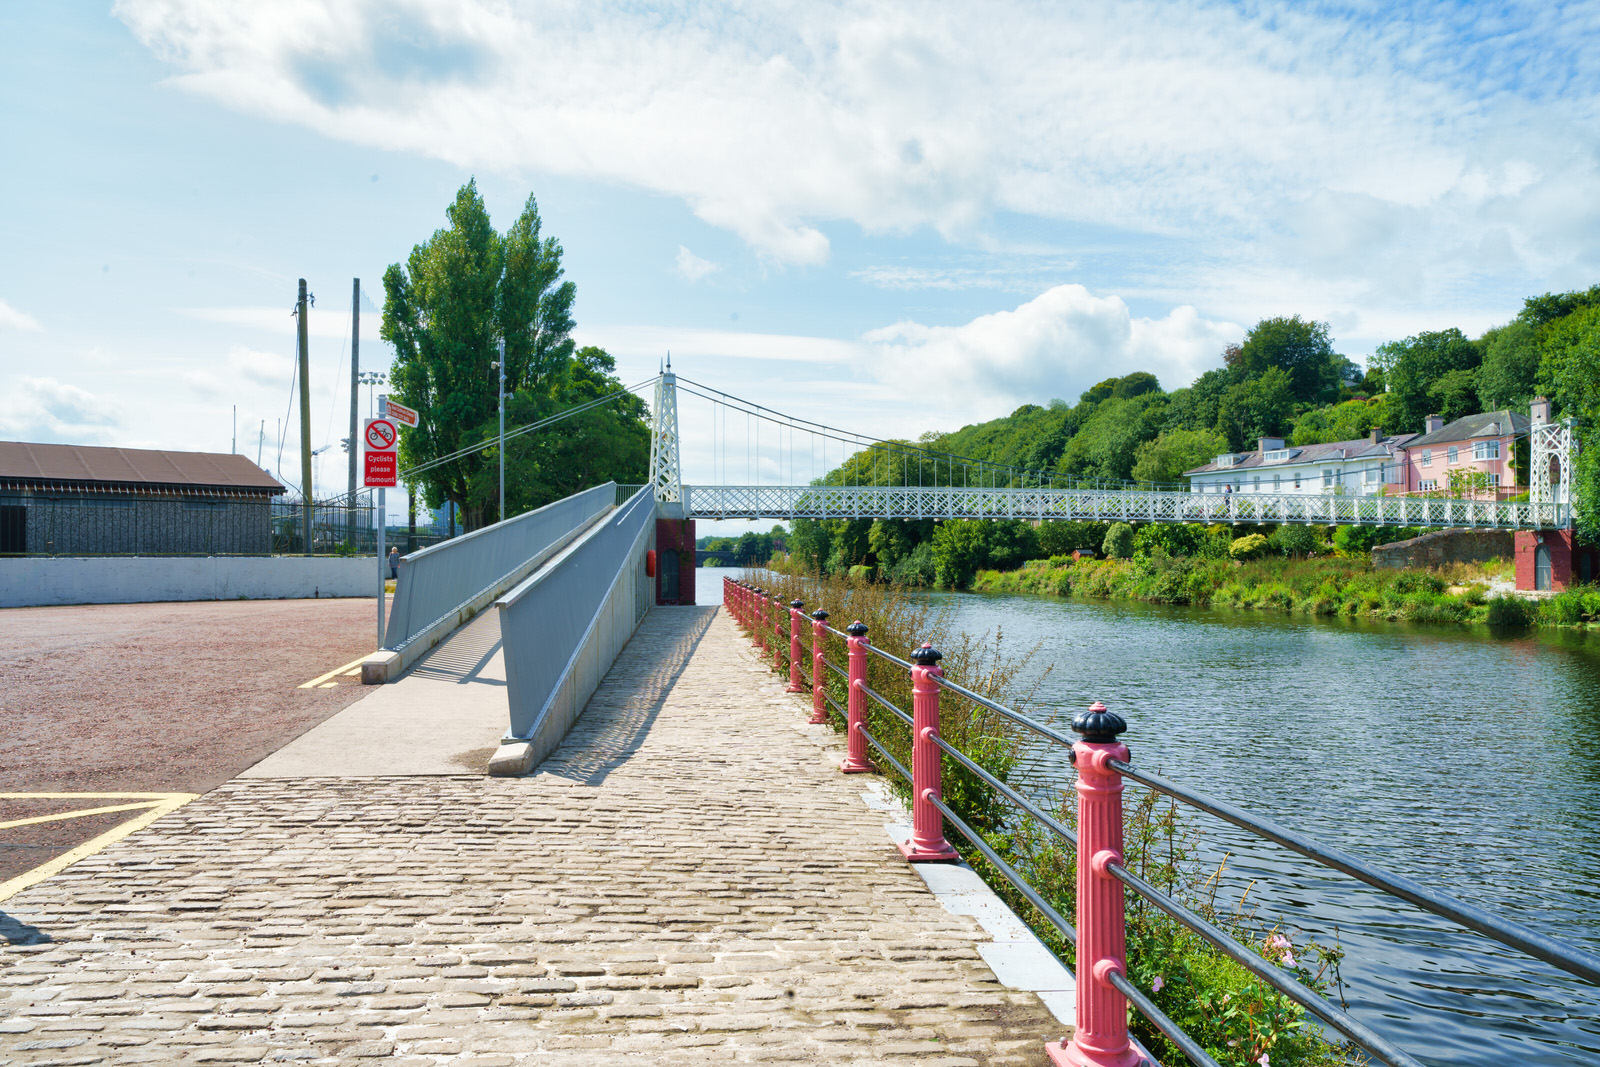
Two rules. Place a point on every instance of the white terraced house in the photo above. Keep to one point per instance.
(1368, 465)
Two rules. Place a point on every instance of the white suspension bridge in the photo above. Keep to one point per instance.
(879, 479)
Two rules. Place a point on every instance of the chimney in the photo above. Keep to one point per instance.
(1377, 435)
(1267, 444)
(1434, 423)
(1540, 410)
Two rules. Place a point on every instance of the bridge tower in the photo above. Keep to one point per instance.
(1550, 452)
(666, 472)
(674, 540)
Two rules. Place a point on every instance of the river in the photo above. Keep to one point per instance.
(1467, 762)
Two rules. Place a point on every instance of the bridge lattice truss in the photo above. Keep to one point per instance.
(1110, 505)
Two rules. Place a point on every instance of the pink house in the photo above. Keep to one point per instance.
(1478, 446)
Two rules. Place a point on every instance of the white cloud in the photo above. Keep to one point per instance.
(1401, 151)
(1057, 344)
(693, 267)
(12, 319)
(46, 410)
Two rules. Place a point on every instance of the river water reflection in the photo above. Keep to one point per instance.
(1466, 762)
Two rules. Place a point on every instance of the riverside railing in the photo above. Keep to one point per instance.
(437, 582)
(1101, 1037)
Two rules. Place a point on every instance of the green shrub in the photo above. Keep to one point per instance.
(1176, 539)
(1118, 543)
(1361, 540)
(1250, 546)
(1060, 538)
(1293, 539)
(1510, 611)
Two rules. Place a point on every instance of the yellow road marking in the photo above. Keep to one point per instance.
(351, 674)
(346, 669)
(328, 685)
(166, 803)
(78, 814)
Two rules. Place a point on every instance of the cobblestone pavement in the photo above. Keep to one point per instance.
(688, 880)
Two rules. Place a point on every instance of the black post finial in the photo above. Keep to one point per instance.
(1097, 724)
(927, 655)
(820, 615)
(797, 604)
(856, 629)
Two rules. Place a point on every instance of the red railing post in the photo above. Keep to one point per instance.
(927, 844)
(758, 629)
(855, 760)
(819, 667)
(775, 621)
(795, 615)
(1101, 1037)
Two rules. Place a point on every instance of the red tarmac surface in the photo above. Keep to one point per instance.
(163, 698)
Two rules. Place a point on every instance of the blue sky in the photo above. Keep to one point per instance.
(895, 219)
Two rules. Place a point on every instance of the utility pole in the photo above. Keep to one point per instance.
(355, 379)
(261, 440)
(411, 512)
(502, 365)
(235, 429)
(305, 417)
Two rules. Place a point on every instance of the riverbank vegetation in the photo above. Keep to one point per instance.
(1239, 1020)
(1282, 379)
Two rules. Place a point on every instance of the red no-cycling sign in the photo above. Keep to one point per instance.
(380, 464)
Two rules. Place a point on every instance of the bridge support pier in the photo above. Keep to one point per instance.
(1553, 560)
(675, 556)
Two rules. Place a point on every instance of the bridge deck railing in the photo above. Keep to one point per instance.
(1113, 505)
(1102, 762)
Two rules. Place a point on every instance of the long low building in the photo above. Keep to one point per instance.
(68, 500)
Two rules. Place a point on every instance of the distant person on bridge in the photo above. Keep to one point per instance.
(394, 562)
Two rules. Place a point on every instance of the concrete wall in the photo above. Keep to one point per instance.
(141, 579)
(1442, 547)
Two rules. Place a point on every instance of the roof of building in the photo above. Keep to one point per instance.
(88, 467)
(1361, 448)
(1485, 424)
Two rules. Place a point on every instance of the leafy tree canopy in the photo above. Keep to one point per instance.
(1175, 451)
(1300, 349)
(459, 294)
(1417, 367)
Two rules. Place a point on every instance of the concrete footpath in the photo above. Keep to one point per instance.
(687, 880)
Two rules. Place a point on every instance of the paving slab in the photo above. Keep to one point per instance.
(687, 880)
(445, 715)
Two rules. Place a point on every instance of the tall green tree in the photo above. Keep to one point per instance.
(1510, 366)
(1257, 408)
(461, 292)
(1175, 451)
(1431, 373)
(1298, 348)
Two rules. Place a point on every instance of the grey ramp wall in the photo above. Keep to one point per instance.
(437, 580)
(563, 627)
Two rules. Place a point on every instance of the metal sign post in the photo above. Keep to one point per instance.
(380, 439)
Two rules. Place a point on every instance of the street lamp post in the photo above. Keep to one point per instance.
(500, 364)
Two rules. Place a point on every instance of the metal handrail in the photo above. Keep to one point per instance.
(1471, 916)
(896, 764)
(1554, 952)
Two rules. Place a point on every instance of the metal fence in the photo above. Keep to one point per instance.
(172, 525)
(1102, 763)
(564, 626)
(437, 581)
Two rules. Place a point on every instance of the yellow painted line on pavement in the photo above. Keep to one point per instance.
(353, 667)
(76, 814)
(165, 804)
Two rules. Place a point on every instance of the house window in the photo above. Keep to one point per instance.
(1297, 479)
(1454, 454)
(1338, 476)
(1494, 478)
(1486, 449)
(1327, 478)
(1277, 482)
(1257, 486)
(1372, 474)
(1427, 457)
